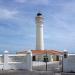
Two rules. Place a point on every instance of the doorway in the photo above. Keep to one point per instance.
(57, 58)
(34, 58)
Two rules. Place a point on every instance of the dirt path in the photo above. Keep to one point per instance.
(20, 72)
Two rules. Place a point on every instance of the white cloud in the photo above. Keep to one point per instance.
(40, 2)
(21, 1)
(33, 1)
(69, 8)
(7, 14)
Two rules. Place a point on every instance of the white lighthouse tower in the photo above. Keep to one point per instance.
(39, 32)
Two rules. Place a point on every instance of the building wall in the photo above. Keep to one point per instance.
(69, 63)
(40, 57)
(16, 61)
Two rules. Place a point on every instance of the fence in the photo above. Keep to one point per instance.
(16, 61)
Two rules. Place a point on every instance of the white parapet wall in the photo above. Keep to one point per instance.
(69, 63)
(16, 61)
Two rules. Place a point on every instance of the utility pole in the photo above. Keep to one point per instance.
(62, 63)
(46, 60)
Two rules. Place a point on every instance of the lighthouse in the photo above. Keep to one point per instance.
(39, 32)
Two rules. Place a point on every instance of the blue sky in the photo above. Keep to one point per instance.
(17, 24)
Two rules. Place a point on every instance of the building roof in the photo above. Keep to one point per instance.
(22, 52)
(52, 52)
(36, 52)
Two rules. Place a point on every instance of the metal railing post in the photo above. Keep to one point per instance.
(46, 60)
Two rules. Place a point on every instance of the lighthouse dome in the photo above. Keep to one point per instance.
(39, 14)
